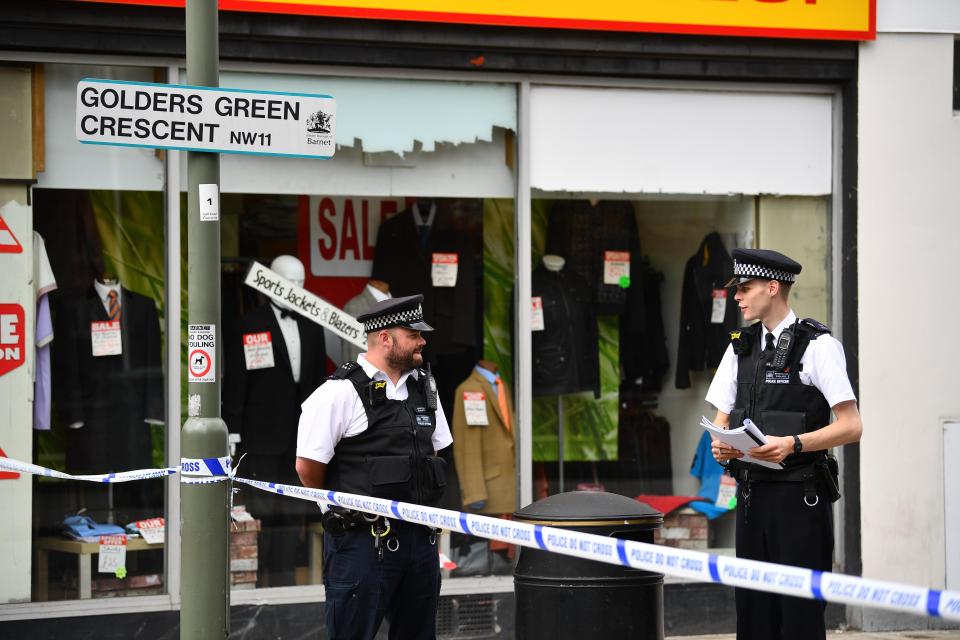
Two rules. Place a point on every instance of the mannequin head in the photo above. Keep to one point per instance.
(290, 268)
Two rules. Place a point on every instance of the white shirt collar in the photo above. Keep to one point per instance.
(103, 290)
(373, 373)
(786, 322)
(378, 295)
(277, 311)
(418, 217)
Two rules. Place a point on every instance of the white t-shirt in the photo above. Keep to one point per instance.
(334, 411)
(824, 367)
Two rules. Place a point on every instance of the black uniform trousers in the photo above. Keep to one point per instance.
(775, 525)
(361, 590)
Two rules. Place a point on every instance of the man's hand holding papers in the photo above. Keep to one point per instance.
(741, 442)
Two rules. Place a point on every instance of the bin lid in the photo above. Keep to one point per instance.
(589, 508)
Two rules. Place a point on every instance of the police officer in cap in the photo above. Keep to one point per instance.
(373, 428)
(786, 375)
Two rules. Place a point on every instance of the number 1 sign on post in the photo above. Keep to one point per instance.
(209, 202)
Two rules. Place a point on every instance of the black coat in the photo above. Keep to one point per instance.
(263, 405)
(111, 395)
(702, 342)
(405, 265)
(643, 342)
(566, 356)
(581, 232)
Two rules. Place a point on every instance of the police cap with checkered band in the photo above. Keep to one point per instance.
(395, 312)
(762, 263)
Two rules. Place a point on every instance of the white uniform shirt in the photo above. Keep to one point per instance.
(824, 367)
(291, 338)
(334, 411)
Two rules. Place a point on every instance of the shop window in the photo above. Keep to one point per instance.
(97, 402)
(631, 319)
(438, 152)
(355, 250)
(105, 412)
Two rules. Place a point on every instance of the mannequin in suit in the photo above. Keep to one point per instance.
(483, 429)
(374, 291)
(484, 434)
(108, 390)
(279, 359)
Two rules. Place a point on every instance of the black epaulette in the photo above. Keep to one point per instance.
(815, 326)
(743, 338)
(344, 370)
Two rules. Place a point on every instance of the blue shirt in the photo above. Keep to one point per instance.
(488, 375)
(709, 472)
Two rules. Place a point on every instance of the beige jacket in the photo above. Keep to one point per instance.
(485, 454)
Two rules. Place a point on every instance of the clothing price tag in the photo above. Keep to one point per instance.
(475, 406)
(616, 265)
(536, 317)
(105, 338)
(151, 530)
(727, 495)
(444, 271)
(719, 306)
(258, 350)
(113, 554)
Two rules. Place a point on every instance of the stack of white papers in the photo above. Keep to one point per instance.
(742, 439)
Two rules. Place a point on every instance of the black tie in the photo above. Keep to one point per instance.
(769, 348)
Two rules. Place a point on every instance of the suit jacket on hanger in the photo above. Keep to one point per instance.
(485, 454)
(263, 405)
(582, 232)
(110, 395)
(702, 342)
(566, 352)
(405, 265)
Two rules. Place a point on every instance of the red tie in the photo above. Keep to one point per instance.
(113, 305)
(502, 402)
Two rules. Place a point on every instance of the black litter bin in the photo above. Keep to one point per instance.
(560, 597)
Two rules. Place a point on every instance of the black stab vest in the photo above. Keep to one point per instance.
(393, 459)
(775, 398)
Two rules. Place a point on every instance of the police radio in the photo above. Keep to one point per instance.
(782, 353)
(431, 390)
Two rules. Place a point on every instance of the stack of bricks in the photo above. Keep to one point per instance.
(243, 554)
(110, 587)
(683, 528)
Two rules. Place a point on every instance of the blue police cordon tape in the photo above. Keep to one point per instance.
(682, 563)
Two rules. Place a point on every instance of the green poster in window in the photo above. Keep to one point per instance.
(590, 425)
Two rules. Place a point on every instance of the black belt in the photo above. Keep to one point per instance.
(747, 473)
(338, 520)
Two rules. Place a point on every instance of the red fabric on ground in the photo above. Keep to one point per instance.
(666, 504)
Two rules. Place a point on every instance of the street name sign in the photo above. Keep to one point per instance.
(165, 116)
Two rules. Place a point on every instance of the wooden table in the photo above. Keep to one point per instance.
(84, 552)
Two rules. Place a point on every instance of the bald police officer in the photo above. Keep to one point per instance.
(373, 428)
(787, 375)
